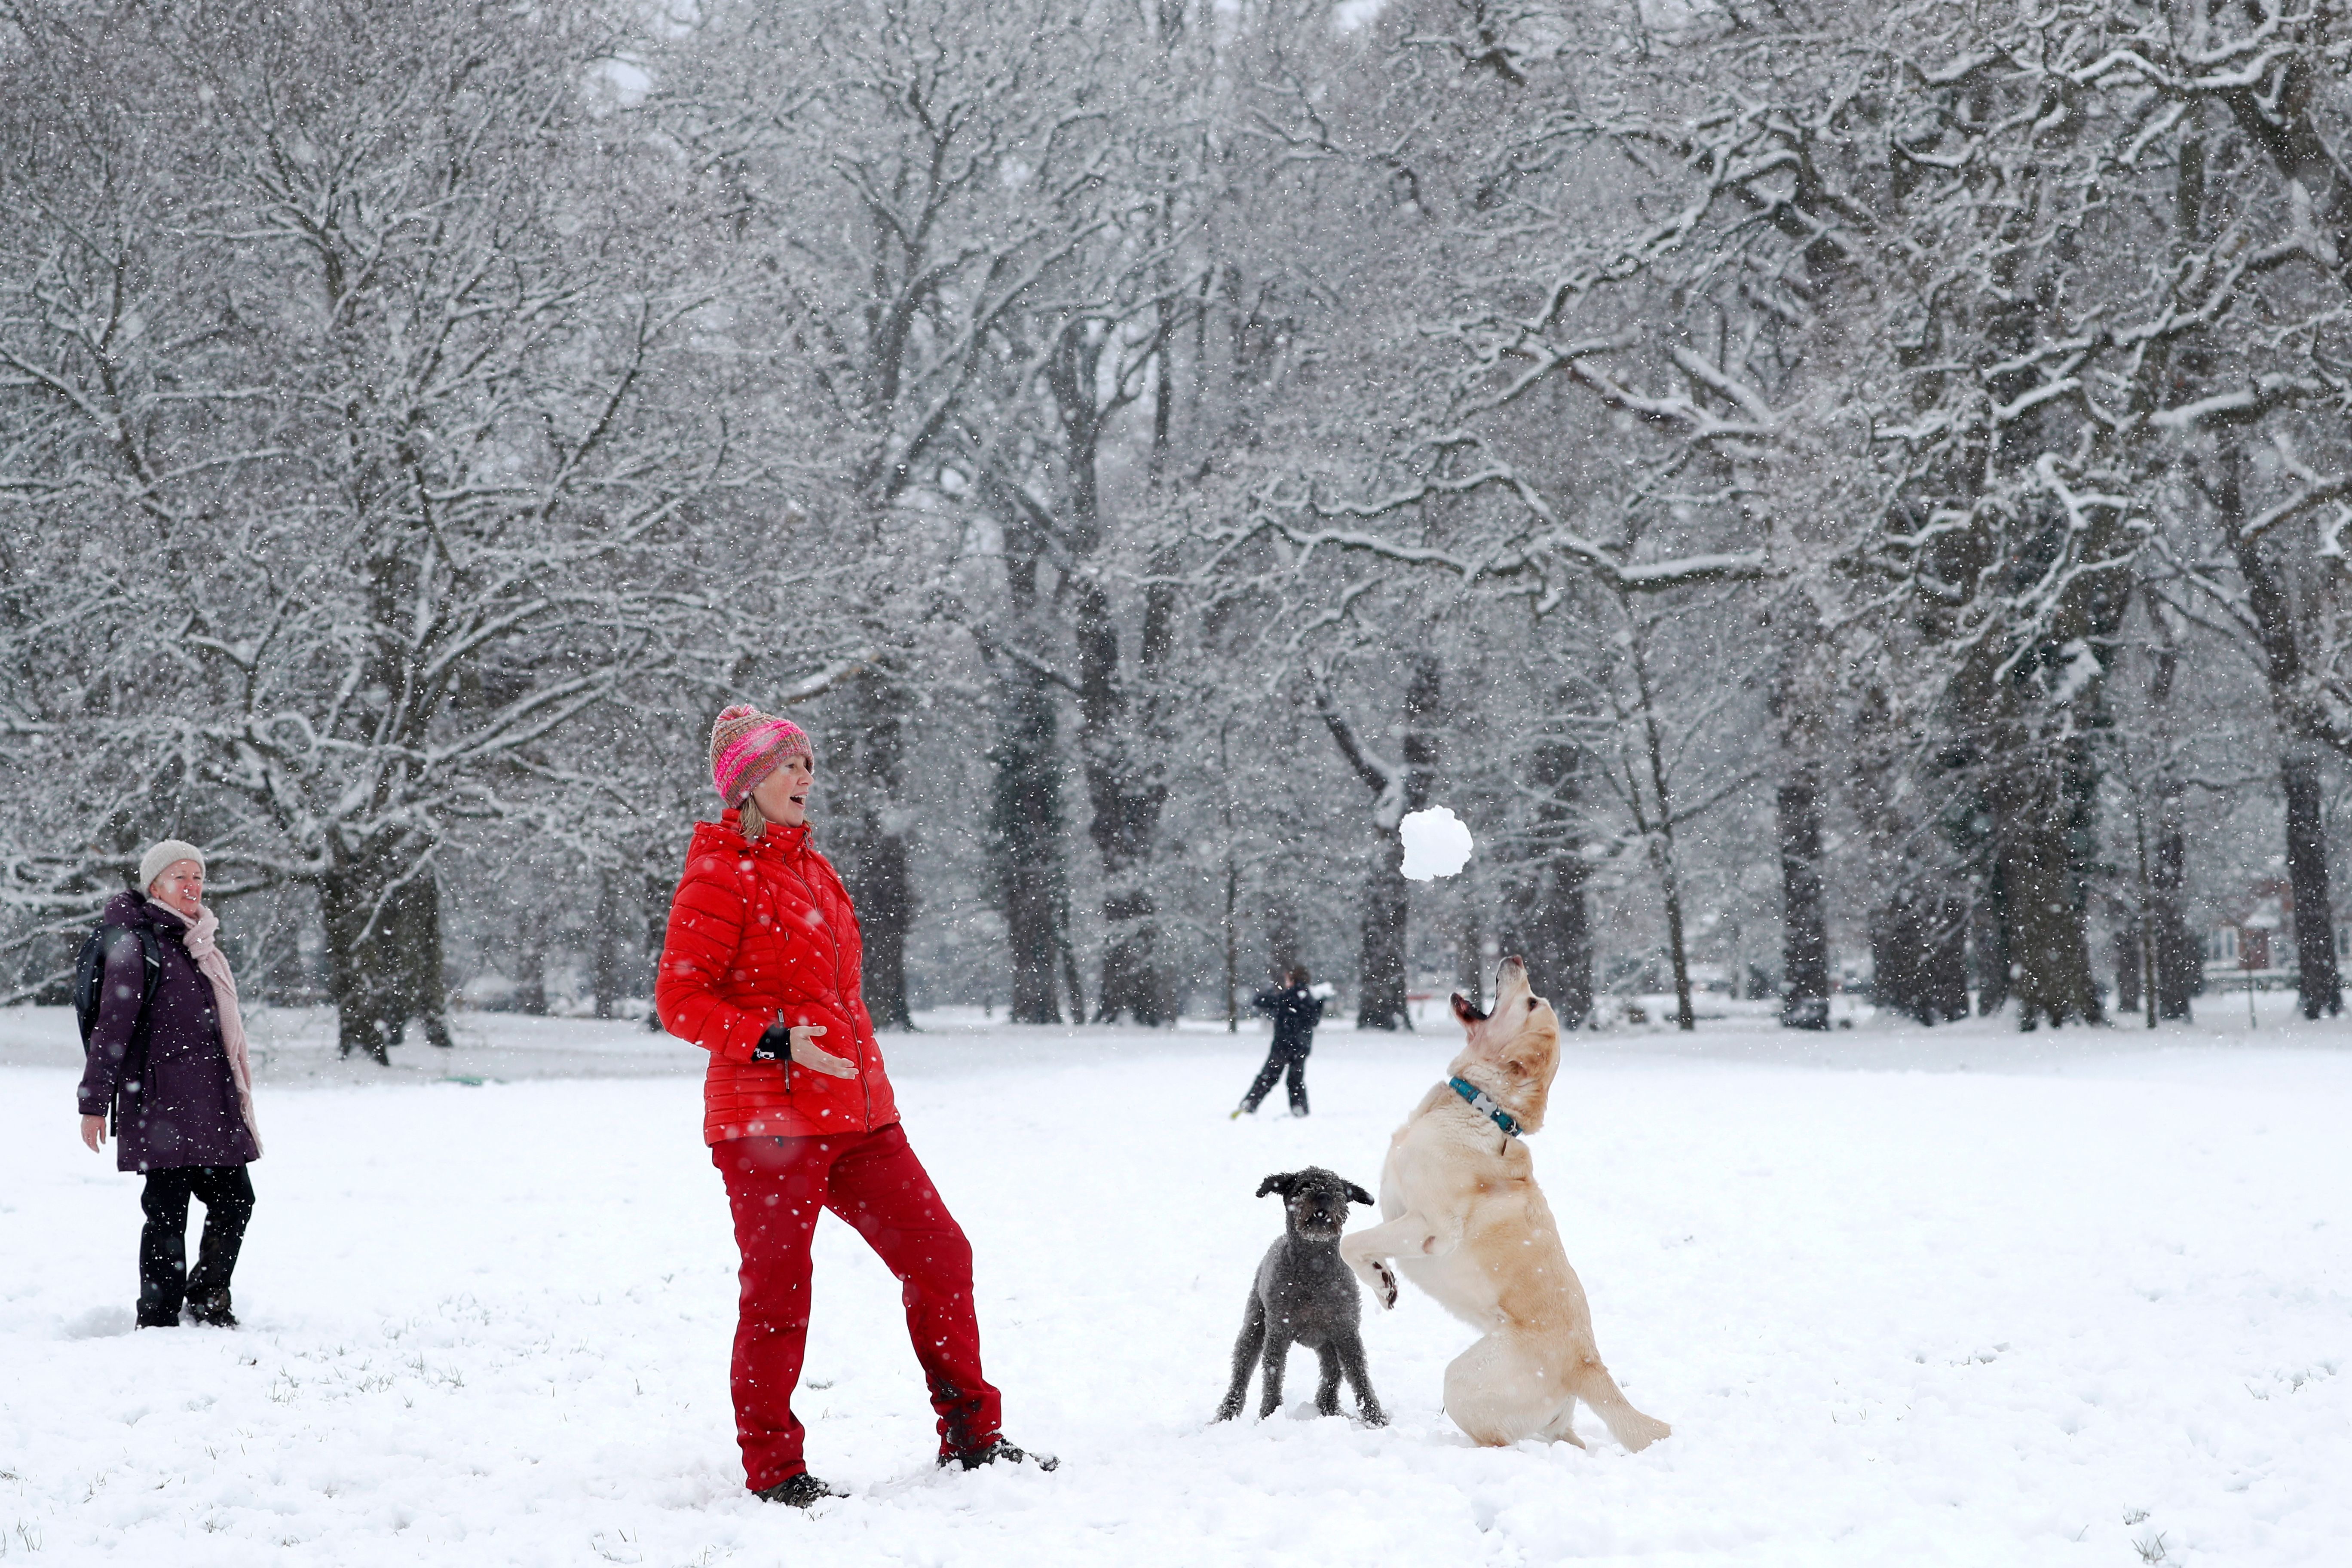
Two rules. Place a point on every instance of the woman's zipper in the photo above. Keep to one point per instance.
(858, 1049)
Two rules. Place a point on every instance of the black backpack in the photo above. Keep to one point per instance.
(89, 974)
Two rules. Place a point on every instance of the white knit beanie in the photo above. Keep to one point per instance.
(164, 856)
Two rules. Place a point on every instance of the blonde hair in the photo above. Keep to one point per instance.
(754, 820)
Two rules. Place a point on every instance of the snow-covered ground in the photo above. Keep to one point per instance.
(1958, 1296)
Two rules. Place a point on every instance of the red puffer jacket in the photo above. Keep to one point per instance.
(758, 932)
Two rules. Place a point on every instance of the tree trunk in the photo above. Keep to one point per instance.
(1070, 969)
(886, 914)
(2179, 968)
(1230, 925)
(1381, 1002)
(605, 968)
(2272, 611)
(1132, 985)
(1989, 945)
(1661, 835)
(531, 970)
(2129, 939)
(1556, 940)
(1686, 1015)
(1798, 705)
(1231, 934)
(868, 749)
(1945, 973)
(1805, 942)
(2316, 985)
(1919, 872)
(358, 980)
(383, 947)
(1026, 822)
(1559, 938)
(2037, 799)
(1470, 955)
(424, 993)
(1918, 953)
(2171, 968)
(1126, 789)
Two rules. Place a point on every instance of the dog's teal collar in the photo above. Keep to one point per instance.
(1484, 1107)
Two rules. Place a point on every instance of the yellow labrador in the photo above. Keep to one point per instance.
(1466, 1223)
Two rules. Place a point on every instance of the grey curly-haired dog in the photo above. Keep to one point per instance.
(1305, 1295)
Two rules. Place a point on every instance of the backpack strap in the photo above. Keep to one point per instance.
(151, 948)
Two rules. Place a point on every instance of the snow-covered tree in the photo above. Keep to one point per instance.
(362, 463)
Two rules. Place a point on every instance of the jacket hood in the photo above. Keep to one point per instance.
(134, 909)
(131, 908)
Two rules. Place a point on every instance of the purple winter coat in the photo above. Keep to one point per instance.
(183, 1109)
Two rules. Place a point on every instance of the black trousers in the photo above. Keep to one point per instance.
(164, 1281)
(1283, 1056)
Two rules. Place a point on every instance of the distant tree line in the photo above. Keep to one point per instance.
(1821, 487)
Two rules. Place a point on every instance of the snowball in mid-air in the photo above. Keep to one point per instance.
(1436, 844)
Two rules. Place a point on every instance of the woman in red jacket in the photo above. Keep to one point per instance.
(761, 964)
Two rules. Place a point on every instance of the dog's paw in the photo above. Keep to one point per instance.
(1387, 1288)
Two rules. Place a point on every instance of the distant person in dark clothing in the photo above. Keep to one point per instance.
(174, 1075)
(1295, 1010)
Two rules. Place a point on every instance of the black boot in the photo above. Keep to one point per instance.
(799, 1491)
(212, 1311)
(998, 1452)
(152, 1316)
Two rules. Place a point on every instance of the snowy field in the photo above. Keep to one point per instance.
(1955, 1296)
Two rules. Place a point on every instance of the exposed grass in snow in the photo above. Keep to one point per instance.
(2085, 1302)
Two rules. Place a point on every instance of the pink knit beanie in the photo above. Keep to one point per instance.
(747, 745)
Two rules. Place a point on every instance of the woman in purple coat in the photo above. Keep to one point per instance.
(174, 1074)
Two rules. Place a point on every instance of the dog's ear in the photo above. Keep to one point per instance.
(1277, 1182)
(1469, 1012)
(1358, 1195)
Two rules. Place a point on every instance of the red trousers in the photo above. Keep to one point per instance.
(873, 1181)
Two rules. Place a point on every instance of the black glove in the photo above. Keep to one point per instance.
(776, 1044)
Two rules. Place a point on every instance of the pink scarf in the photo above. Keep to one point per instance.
(205, 951)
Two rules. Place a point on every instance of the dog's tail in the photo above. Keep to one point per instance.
(1590, 1381)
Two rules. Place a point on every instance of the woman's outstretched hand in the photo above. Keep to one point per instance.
(800, 1039)
(93, 1132)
